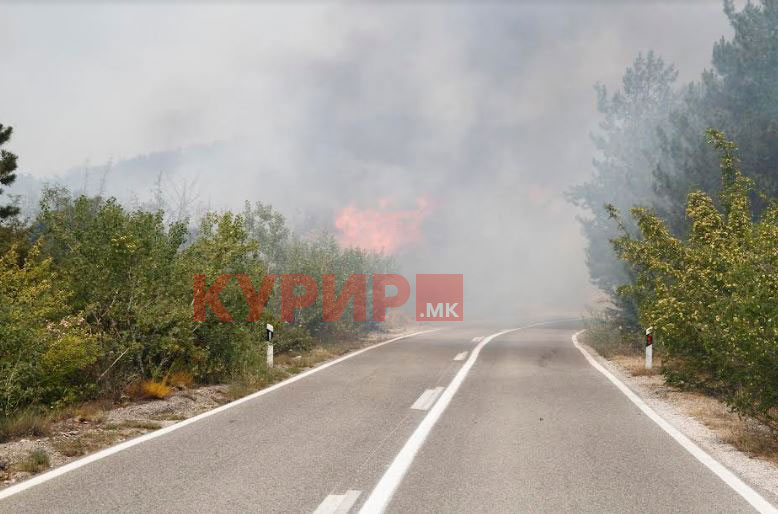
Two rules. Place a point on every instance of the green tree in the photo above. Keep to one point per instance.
(7, 168)
(627, 147)
(739, 95)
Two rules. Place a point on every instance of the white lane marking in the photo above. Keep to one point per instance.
(349, 499)
(477, 339)
(427, 398)
(460, 356)
(755, 499)
(338, 503)
(382, 493)
(422, 399)
(45, 477)
(329, 504)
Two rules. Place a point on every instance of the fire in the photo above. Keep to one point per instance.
(381, 228)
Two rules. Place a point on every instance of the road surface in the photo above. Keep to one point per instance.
(417, 425)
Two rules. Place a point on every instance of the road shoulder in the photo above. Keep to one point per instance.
(682, 410)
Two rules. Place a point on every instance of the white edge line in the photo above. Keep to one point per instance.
(384, 490)
(751, 496)
(45, 477)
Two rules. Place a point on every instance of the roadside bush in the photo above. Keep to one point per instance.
(292, 339)
(609, 336)
(713, 299)
(223, 246)
(45, 356)
(96, 300)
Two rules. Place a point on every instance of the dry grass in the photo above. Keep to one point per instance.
(316, 355)
(149, 390)
(609, 338)
(747, 435)
(636, 365)
(25, 423)
(93, 412)
(141, 424)
(168, 416)
(71, 447)
(240, 389)
(244, 386)
(85, 443)
(181, 380)
(35, 462)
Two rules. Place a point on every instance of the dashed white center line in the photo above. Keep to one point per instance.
(460, 356)
(382, 494)
(427, 399)
(338, 503)
(477, 339)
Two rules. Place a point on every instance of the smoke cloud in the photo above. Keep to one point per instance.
(443, 133)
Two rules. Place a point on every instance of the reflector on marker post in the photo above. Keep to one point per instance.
(649, 347)
(269, 345)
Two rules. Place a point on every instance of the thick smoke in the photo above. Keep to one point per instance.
(444, 133)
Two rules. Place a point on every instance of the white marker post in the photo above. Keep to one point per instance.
(649, 347)
(269, 345)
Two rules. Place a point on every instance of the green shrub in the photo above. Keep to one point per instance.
(292, 339)
(713, 299)
(102, 299)
(45, 356)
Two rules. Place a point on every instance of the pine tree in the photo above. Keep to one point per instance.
(7, 167)
(626, 143)
(739, 96)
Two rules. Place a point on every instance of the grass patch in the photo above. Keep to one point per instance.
(181, 380)
(242, 388)
(35, 462)
(93, 412)
(149, 390)
(745, 434)
(636, 365)
(245, 385)
(169, 416)
(142, 424)
(609, 338)
(85, 443)
(74, 447)
(754, 441)
(25, 423)
(309, 359)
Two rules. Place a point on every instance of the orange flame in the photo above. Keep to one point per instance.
(381, 229)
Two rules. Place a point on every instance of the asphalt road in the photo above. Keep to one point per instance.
(529, 427)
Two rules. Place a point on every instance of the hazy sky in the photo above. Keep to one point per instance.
(463, 124)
